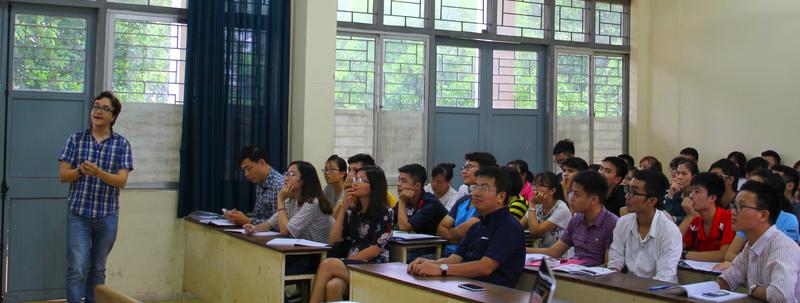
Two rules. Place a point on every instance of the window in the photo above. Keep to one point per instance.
(410, 13)
(354, 95)
(609, 21)
(569, 20)
(457, 72)
(49, 53)
(523, 18)
(514, 79)
(461, 15)
(357, 11)
(167, 3)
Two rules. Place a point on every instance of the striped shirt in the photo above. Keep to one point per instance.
(518, 206)
(266, 197)
(306, 222)
(772, 262)
(89, 196)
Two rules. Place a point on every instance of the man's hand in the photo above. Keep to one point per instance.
(426, 269)
(406, 195)
(237, 217)
(90, 169)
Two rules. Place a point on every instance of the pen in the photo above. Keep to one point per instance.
(654, 288)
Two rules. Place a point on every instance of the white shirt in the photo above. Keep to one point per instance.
(558, 215)
(449, 199)
(654, 257)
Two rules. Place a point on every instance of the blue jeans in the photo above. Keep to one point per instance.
(89, 240)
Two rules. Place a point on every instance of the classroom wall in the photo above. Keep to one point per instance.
(719, 75)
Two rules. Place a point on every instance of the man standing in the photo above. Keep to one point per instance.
(96, 163)
(268, 184)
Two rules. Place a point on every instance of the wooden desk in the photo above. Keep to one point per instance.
(389, 282)
(615, 287)
(223, 266)
(398, 249)
(689, 276)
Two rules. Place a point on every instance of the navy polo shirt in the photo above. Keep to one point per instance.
(500, 237)
(425, 217)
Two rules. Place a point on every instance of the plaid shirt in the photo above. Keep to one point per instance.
(267, 197)
(89, 196)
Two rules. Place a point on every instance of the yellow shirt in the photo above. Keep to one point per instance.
(390, 199)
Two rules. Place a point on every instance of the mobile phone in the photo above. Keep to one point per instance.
(471, 287)
(716, 294)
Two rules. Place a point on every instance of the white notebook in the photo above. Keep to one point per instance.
(221, 222)
(583, 270)
(258, 234)
(707, 291)
(296, 242)
(396, 235)
(704, 266)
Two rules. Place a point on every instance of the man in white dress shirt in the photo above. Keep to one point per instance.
(646, 241)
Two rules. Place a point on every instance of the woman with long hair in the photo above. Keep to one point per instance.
(549, 214)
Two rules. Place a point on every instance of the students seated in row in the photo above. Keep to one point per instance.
(590, 230)
(493, 250)
(416, 211)
(335, 172)
(646, 241)
(726, 170)
(548, 214)
(527, 177)
(517, 205)
(569, 168)
(441, 175)
(361, 234)
(768, 265)
(462, 216)
(684, 171)
(303, 212)
(772, 157)
(707, 231)
(614, 169)
(791, 178)
(268, 182)
(355, 163)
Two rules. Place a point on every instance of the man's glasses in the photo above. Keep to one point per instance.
(480, 188)
(629, 192)
(737, 206)
(102, 108)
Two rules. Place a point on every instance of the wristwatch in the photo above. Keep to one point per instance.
(752, 289)
(443, 267)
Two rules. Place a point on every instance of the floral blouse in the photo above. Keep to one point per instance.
(360, 233)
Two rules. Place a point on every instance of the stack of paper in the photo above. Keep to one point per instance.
(257, 234)
(296, 242)
(410, 237)
(583, 270)
(704, 266)
(707, 291)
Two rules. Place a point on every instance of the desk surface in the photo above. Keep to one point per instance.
(262, 240)
(419, 242)
(396, 272)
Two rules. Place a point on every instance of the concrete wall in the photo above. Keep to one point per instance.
(154, 131)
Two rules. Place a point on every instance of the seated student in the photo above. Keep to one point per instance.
(791, 178)
(569, 168)
(726, 170)
(614, 170)
(591, 229)
(740, 161)
(268, 183)
(462, 216)
(363, 230)
(628, 160)
(526, 176)
(768, 266)
(646, 241)
(517, 205)
(650, 162)
(754, 165)
(493, 250)
(627, 181)
(690, 153)
(416, 210)
(772, 157)
(355, 163)
(707, 231)
(303, 212)
(549, 214)
(441, 175)
(684, 171)
(562, 150)
(335, 172)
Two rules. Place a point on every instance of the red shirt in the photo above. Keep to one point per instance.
(721, 233)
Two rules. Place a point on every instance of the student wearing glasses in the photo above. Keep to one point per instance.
(335, 172)
(268, 184)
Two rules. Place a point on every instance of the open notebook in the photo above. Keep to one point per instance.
(706, 291)
(583, 270)
(296, 242)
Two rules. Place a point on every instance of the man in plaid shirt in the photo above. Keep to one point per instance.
(268, 184)
(96, 163)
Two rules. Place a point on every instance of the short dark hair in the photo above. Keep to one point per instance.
(655, 184)
(575, 162)
(565, 146)
(522, 167)
(772, 153)
(364, 159)
(514, 182)
(691, 165)
(755, 164)
(116, 105)
(740, 160)
(728, 168)
(483, 158)
(796, 165)
(789, 175)
(766, 199)
(778, 184)
(340, 163)
(416, 172)
(712, 183)
(253, 153)
(692, 152)
(628, 160)
(500, 177)
(593, 183)
(619, 164)
(654, 163)
(444, 169)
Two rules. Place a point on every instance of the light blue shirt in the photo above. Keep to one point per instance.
(786, 223)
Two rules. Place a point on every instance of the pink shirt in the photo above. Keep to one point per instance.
(527, 191)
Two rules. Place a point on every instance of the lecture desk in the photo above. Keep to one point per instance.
(389, 282)
(224, 266)
(616, 287)
(398, 249)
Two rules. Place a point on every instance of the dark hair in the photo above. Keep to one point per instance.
(593, 183)
(728, 168)
(789, 175)
(550, 180)
(755, 164)
(766, 199)
(690, 151)
(740, 160)
(416, 172)
(778, 184)
(576, 163)
(311, 187)
(514, 183)
(619, 164)
(628, 160)
(254, 153)
(796, 165)
(522, 168)
(377, 195)
(340, 163)
(501, 182)
(772, 153)
(364, 159)
(690, 165)
(673, 164)
(712, 183)
(564, 147)
(594, 167)
(116, 106)
(443, 169)
(655, 184)
(483, 159)
(654, 163)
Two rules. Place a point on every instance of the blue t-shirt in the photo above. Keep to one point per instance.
(786, 223)
(498, 236)
(461, 212)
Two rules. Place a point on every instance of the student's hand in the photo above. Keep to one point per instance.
(538, 198)
(250, 228)
(687, 204)
(237, 217)
(415, 263)
(406, 195)
(427, 269)
(349, 199)
(90, 169)
(286, 191)
(722, 266)
(674, 188)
